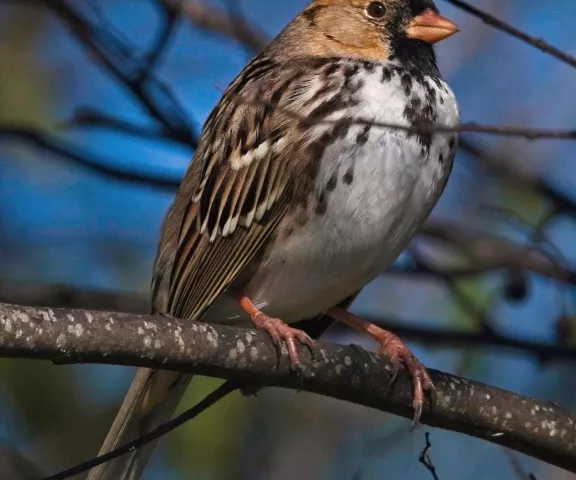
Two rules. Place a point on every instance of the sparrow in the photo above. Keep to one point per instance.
(299, 194)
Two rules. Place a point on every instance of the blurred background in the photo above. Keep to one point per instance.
(99, 111)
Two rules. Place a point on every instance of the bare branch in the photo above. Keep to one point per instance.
(82, 158)
(152, 94)
(506, 169)
(540, 429)
(422, 332)
(493, 253)
(211, 399)
(527, 133)
(88, 118)
(55, 296)
(515, 32)
(215, 20)
(426, 459)
(169, 20)
(58, 295)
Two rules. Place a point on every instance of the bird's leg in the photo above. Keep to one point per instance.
(278, 330)
(397, 352)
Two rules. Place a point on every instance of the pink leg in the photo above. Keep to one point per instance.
(278, 330)
(399, 355)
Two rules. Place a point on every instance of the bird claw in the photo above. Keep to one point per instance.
(281, 333)
(400, 356)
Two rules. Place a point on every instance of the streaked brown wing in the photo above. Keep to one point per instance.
(254, 162)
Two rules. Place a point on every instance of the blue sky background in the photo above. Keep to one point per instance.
(60, 223)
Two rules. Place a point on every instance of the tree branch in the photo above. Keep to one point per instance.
(78, 156)
(507, 169)
(488, 253)
(515, 32)
(212, 398)
(89, 118)
(65, 296)
(214, 20)
(149, 92)
(540, 429)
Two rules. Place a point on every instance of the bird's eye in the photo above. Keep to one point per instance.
(376, 9)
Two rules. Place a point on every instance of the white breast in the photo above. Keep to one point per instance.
(378, 189)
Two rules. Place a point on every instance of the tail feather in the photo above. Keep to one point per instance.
(151, 401)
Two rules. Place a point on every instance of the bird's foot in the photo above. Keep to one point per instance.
(400, 356)
(280, 332)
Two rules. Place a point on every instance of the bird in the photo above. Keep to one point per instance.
(312, 174)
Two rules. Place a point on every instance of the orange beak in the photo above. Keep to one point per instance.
(431, 27)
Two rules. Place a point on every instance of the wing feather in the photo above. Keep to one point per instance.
(254, 158)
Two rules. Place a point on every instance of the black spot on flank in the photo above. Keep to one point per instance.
(441, 158)
(406, 82)
(316, 149)
(428, 111)
(419, 116)
(430, 93)
(332, 182)
(386, 74)
(363, 136)
(350, 74)
(452, 142)
(358, 86)
(369, 66)
(424, 137)
(341, 129)
(348, 177)
(321, 205)
(351, 69)
(415, 103)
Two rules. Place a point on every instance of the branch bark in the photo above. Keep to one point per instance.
(541, 429)
(67, 296)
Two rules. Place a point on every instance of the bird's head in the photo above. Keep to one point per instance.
(376, 30)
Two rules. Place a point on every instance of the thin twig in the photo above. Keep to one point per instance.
(88, 160)
(215, 396)
(476, 314)
(470, 127)
(528, 133)
(214, 20)
(515, 32)
(168, 28)
(517, 467)
(426, 459)
(87, 118)
(151, 94)
(504, 168)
